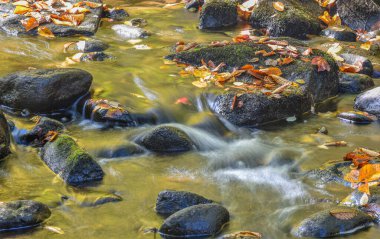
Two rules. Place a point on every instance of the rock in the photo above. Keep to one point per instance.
(331, 173)
(340, 34)
(218, 14)
(196, 221)
(37, 135)
(109, 112)
(194, 4)
(91, 45)
(356, 117)
(299, 18)
(129, 32)
(90, 198)
(369, 101)
(44, 90)
(117, 14)
(332, 222)
(355, 199)
(5, 137)
(170, 201)
(22, 214)
(138, 22)
(94, 56)
(354, 83)
(65, 158)
(323, 130)
(254, 109)
(352, 59)
(11, 22)
(126, 150)
(360, 14)
(165, 139)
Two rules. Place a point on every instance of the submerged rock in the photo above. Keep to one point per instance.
(340, 34)
(299, 18)
(369, 101)
(194, 4)
(94, 56)
(37, 135)
(332, 222)
(360, 14)
(165, 139)
(91, 45)
(22, 214)
(218, 14)
(11, 24)
(170, 201)
(5, 136)
(44, 90)
(117, 14)
(356, 117)
(129, 149)
(203, 220)
(138, 22)
(353, 83)
(65, 158)
(352, 59)
(88, 198)
(129, 32)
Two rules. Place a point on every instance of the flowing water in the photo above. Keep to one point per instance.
(260, 196)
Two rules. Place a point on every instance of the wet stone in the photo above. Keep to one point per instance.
(95, 56)
(353, 83)
(170, 201)
(91, 45)
(5, 136)
(203, 220)
(332, 222)
(22, 214)
(117, 14)
(218, 14)
(369, 101)
(129, 32)
(340, 34)
(352, 59)
(127, 150)
(138, 22)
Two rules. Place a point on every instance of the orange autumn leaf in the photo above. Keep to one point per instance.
(352, 176)
(369, 172)
(285, 61)
(243, 13)
(330, 21)
(30, 23)
(21, 10)
(279, 6)
(272, 71)
(322, 64)
(350, 68)
(45, 32)
(366, 46)
(307, 52)
(364, 188)
(92, 4)
(247, 67)
(241, 38)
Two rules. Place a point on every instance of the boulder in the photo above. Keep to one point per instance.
(218, 14)
(37, 135)
(170, 201)
(340, 34)
(91, 45)
(65, 158)
(364, 62)
(44, 90)
(117, 14)
(5, 137)
(165, 139)
(356, 117)
(369, 101)
(354, 83)
(11, 22)
(299, 18)
(22, 214)
(94, 56)
(203, 220)
(332, 222)
(129, 32)
(360, 14)
(257, 108)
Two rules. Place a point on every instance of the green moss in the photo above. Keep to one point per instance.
(68, 146)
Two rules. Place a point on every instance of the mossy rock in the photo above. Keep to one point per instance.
(299, 18)
(65, 158)
(5, 137)
(354, 83)
(217, 14)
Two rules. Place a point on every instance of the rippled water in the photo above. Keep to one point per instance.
(259, 197)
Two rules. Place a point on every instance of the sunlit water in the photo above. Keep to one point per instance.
(260, 197)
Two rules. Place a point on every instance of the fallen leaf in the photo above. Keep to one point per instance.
(199, 84)
(21, 10)
(279, 6)
(366, 46)
(30, 23)
(343, 213)
(45, 32)
(322, 64)
(183, 101)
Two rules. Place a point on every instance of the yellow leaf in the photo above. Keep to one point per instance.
(21, 3)
(366, 46)
(200, 84)
(21, 10)
(279, 6)
(45, 32)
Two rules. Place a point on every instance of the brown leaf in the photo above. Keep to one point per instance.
(45, 32)
(343, 213)
(322, 64)
(30, 23)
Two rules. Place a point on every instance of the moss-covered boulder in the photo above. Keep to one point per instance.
(332, 222)
(259, 108)
(354, 83)
(218, 14)
(44, 90)
(198, 221)
(22, 214)
(5, 137)
(170, 201)
(65, 158)
(299, 18)
(165, 139)
(360, 14)
(37, 135)
(340, 34)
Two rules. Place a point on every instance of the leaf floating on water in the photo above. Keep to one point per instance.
(183, 101)
(243, 235)
(322, 64)
(343, 213)
(279, 6)
(45, 32)
(54, 229)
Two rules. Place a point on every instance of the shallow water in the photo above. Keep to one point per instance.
(258, 198)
